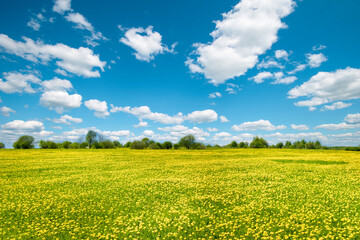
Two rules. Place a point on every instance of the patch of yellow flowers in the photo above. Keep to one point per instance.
(179, 194)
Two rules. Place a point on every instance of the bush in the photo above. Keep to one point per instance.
(48, 145)
(198, 146)
(243, 145)
(83, 145)
(74, 145)
(137, 145)
(352, 149)
(24, 142)
(2, 145)
(280, 145)
(153, 146)
(176, 146)
(167, 145)
(66, 144)
(117, 143)
(233, 144)
(259, 143)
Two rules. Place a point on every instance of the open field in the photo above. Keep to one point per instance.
(175, 194)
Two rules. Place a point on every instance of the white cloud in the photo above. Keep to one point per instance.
(18, 82)
(318, 48)
(60, 100)
(281, 54)
(79, 61)
(56, 84)
(82, 23)
(299, 127)
(315, 60)
(212, 129)
(224, 119)
(202, 116)
(285, 80)
(5, 111)
(339, 126)
(141, 124)
(336, 105)
(257, 125)
(177, 128)
(353, 118)
(232, 88)
(259, 78)
(148, 133)
(34, 24)
(279, 137)
(244, 33)
(298, 68)
(66, 119)
(222, 134)
(327, 87)
(215, 95)
(100, 108)
(144, 112)
(80, 133)
(146, 42)
(62, 6)
(269, 63)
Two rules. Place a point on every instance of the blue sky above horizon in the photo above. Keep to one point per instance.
(220, 70)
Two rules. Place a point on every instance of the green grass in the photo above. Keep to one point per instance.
(175, 194)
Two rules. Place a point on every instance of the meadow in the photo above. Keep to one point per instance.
(179, 194)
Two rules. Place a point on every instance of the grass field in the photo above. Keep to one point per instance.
(179, 194)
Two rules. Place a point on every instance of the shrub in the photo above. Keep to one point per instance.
(107, 144)
(198, 146)
(352, 149)
(24, 142)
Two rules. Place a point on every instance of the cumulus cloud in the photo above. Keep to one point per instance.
(257, 125)
(141, 124)
(299, 127)
(202, 116)
(80, 61)
(144, 112)
(18, 82)
(222, 134)
(5, 111)
(215, 95)
(212, 129)
(244, 33)
(339, 126)
(269, 63)
(232, 88)
(56, 84)
(285, 80)
(327, 87)
(66, 119)
(177, 128)
(281, 54)
(146, 43)
(315, 60)
(82, 23)
(259, 78)
(100, 108)
(34, 24)
(224, 119)
(336, 105)
(353, 118)
(318, 48)
(62, 6)
(298, 68)
(280, 137)
(60, 100)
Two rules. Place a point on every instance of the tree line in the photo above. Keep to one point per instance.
(94, 140)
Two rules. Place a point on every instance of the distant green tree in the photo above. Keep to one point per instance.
(74, 145)
(66, 144)
(2, 145)
(287, 144)
(84, 145)
(137, 145)
(159, 144)
(187, 141)
(317, 145)
(107, 144)
(167, 145)
(310, 145)
(259, 143)
(24, 142)
(280, 145)
(127, 145)
(116, 143)
(233, 144)
(146, 141)
(153, 146)
(198, 145)
(91, 138)
(176, 146)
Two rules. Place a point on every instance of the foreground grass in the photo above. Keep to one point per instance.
(127, 194)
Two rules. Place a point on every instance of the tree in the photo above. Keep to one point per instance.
(317, 145)
(107, 144)
(233, 144)
(198, 146)
(66, 144)
(24, 142)
(146, 141)
(259, 143)
(167, 145)
(127, 145)
(187, 141)
(310, 145)
(137, 145)
(91, 138)
(74, 145)
(176, 146)
(2, 145)
(280, 145)
(83, 145)
(159, 144)
(288, 144)
(116, 143)
(153, 146)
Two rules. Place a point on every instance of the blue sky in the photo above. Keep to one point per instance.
(220, 70)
